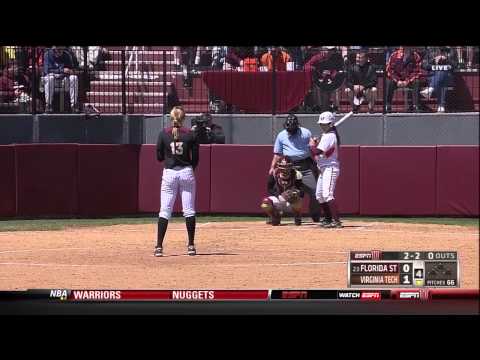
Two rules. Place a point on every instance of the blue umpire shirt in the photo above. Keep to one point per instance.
(295, 146)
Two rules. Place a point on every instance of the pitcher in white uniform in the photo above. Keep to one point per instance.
(326, 154)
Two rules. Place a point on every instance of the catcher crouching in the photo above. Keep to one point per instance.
(286, 194)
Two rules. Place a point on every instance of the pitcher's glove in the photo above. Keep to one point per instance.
(291, 195)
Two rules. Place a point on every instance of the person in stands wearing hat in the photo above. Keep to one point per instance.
(326, 152)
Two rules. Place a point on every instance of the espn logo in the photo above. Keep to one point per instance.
(361, 255)
(421, 294)
(370, 296)
(366, 255)
(294, 294)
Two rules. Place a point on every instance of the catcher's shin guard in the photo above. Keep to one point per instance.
(297, 206)
(298, 219)
(269, 209)
(267, 206)
(276, 219)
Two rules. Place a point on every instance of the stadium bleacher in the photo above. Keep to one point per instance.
(152, 78)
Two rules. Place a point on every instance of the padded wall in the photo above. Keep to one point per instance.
(107, 179)
(46, 179)
(8, 194)
(239, 177)
(457, 180)
(397, 180)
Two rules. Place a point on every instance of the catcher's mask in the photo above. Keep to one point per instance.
(284, 166)
(291, 124)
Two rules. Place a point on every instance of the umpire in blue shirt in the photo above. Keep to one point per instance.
(293, 141)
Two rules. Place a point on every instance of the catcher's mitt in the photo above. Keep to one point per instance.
(291, 195)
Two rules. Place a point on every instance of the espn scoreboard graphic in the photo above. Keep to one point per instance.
(377, 268)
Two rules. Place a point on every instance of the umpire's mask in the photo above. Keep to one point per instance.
(291, 124)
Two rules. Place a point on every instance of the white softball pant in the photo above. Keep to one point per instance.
(173, 180)
(326, 183)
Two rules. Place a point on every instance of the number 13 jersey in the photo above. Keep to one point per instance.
(182, 152)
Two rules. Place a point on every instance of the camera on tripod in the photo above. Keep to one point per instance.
(200, 124)
(206, 132)
(201, 128)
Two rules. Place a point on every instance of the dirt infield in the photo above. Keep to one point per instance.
(231, 255)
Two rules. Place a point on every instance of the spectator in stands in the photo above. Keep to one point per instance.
(190, 60)
(58, 66)
(225, 58)
(187, 56)
(29, 60)
(327, 67)
(10, 89)
(96, 56)
(361, 82)
(7, 54)
(3, 57)
(249, 61)
(203, 59)
(440, 64)
(468, 51)
(259, 51)
(7, 83)
(275, 56)
(308, 52)
(297, 56)
(403, 71)
(349, 54)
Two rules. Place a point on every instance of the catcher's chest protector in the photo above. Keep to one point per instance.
(286, 183)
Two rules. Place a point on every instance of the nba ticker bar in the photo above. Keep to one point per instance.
(237, 295)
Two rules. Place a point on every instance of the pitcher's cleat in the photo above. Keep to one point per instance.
(191, 251)
(333, 224)
(158, 252)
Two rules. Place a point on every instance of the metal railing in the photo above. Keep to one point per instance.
(150, 80)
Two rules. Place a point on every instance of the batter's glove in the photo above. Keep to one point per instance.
(291, 195)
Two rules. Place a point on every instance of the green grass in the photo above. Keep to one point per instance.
(60, 224)
(420, 220)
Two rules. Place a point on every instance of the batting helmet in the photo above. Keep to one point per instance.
(291, 124)
(326, 118)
